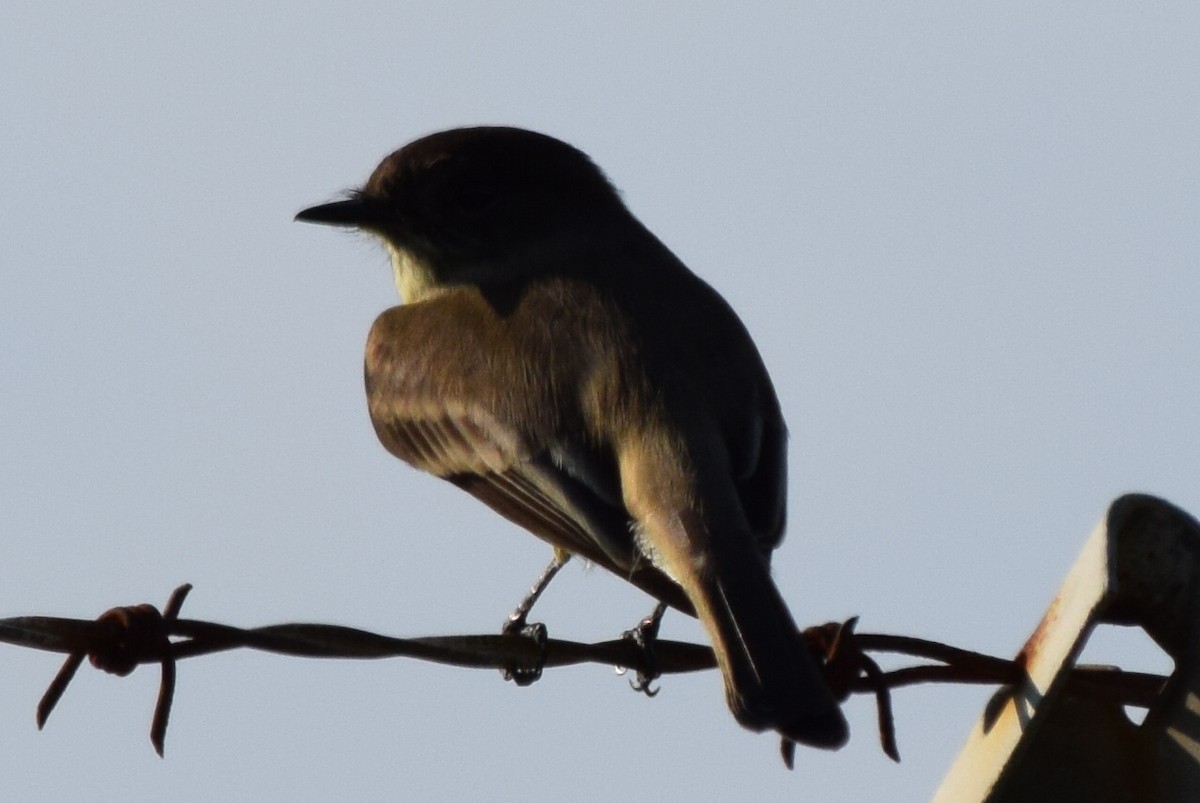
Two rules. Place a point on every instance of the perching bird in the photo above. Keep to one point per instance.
(557, 361)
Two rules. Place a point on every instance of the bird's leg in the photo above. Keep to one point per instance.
(644, 636)
(516, 623)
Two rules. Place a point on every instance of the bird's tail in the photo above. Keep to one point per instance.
(771, 679)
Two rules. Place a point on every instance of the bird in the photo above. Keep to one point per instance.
(553, 358)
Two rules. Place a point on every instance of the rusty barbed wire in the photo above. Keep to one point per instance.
(125, 637)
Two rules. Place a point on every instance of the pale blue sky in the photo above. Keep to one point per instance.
(965, 239)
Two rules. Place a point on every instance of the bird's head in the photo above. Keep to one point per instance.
(472, 204)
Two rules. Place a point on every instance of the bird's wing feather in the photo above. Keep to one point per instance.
(566, 494)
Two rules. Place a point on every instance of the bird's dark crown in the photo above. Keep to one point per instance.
(484, 204)
(489, 157)
(484, 193)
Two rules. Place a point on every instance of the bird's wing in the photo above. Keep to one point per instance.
(531, 490)
(759, 462)
(566, 494)
(747, 415)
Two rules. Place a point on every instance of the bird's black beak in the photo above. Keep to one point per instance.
(355, 212)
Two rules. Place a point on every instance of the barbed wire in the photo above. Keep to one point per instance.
(123, 638)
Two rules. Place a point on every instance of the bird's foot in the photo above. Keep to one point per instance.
(525, 674)
(644, 636)
(517, 625)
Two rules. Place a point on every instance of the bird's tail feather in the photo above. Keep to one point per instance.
(771, 679)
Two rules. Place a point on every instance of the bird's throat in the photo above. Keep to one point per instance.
(415, 279)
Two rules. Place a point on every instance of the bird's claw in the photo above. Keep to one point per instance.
(525, 675)
(644, 636)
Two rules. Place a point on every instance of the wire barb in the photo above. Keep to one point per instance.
(847, 669)
(127, 636)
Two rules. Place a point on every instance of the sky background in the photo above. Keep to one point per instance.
(965, 241)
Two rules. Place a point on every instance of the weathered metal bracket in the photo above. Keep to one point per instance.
(1140, 567)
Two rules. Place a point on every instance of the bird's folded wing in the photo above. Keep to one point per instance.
(554, 496)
